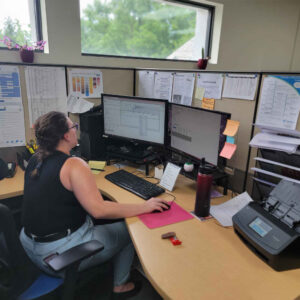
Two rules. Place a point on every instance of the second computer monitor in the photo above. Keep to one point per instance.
(135, 118)
(197, 132)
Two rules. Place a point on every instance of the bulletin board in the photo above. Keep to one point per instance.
(115, 81)
(241, 110)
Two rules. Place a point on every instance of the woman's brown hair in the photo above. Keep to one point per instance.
(49, 130)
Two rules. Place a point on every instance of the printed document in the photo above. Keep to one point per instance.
(12, 126)
(183, 88)
(163, 82)
(212, 83)
(169, 176)
(86, 83)
(224, 212)
(279, 102)
(77, 105)
(240, 86)
(46, 90)
(275, 142)
(146, 84)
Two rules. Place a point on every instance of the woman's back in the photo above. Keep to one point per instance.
(48, 207)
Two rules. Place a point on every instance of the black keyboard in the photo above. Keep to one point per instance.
(135, 184)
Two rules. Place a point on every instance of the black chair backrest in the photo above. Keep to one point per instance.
(17, 272)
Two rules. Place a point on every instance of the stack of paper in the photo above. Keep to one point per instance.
(275, 142)
(224, 212)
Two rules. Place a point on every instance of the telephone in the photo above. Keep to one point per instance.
(7, 170)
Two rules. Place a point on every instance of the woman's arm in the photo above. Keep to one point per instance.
(76, 176)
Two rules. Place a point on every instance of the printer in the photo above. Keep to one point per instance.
(271, 229)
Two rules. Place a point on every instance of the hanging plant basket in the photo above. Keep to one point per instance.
(27, 55)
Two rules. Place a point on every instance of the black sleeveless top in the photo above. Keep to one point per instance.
(48, 207)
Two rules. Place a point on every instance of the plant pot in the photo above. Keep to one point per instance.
(27, 55)
(202, 63)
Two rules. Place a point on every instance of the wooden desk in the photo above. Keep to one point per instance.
(11, 187)
(212, 263)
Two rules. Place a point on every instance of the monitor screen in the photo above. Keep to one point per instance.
(135, 118)
(197, 132)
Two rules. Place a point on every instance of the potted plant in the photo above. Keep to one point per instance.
(202, 62)
(26, 52)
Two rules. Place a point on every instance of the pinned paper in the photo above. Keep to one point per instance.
(228, 150)
(230, 139)
(97, 166)
(231, 127)
(199, 94)
(208, 103)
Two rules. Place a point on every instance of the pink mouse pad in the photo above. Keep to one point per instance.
(174, 215)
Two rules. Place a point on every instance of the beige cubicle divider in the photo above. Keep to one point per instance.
(115, 81)
(242, 111)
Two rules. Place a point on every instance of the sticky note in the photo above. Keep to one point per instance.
(230, 139)
(199, 93)
(228, 150)
(208, 103)
(231, 127)
(96, 164)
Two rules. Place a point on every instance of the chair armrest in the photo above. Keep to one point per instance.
(58, 262)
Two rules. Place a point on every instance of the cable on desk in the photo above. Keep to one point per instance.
(174, 197)
(137, 172)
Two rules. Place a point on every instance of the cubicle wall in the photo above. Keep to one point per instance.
(125, 82)
(115, 80)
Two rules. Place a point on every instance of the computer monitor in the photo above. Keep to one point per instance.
(137, 119)
(197, 132)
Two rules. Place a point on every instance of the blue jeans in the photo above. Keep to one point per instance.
(114, 237)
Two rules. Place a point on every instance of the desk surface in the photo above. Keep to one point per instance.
(211, 263)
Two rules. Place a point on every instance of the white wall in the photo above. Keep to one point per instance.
(256, 35)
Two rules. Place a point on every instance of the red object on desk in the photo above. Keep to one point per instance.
(175, 241)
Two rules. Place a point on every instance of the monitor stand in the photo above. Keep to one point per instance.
(130, 151)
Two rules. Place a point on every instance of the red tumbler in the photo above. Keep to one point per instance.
(204, 183)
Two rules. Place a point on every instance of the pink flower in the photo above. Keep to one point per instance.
(39, 45)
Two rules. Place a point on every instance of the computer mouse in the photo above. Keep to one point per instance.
(164, 209)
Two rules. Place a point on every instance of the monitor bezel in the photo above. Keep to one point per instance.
(194, 158)
(122, 138)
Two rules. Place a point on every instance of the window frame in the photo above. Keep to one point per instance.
(208, 42)
(38, 25)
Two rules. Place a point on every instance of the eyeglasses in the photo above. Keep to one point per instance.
(75, 126)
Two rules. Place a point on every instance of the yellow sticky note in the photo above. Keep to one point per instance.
(208, 103)
(199, 93)
(96, 166)
(232, 127)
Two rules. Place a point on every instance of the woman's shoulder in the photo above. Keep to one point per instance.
(76, 162)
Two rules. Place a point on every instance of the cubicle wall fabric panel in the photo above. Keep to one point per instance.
(240, 109)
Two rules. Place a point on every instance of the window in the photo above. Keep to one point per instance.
(145, 28)
(20, 21)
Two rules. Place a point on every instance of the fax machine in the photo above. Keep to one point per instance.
(272, 228)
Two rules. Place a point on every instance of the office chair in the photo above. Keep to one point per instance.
(21, 279)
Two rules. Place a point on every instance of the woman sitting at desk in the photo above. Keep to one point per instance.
(60, 193)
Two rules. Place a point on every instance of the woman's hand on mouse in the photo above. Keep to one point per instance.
(155, 204)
